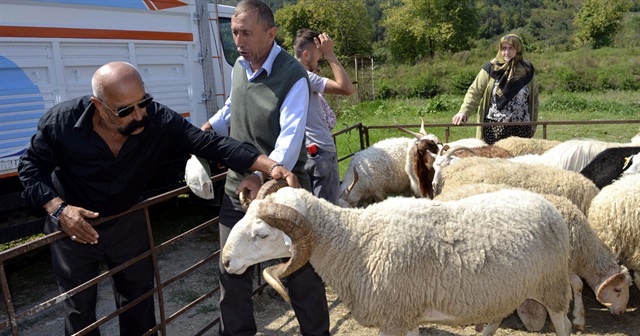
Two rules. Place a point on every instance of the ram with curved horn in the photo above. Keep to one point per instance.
(409, 261)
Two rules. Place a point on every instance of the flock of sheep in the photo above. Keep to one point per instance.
(461, 233)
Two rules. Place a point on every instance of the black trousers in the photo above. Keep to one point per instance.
(306, 290)
(73, 264)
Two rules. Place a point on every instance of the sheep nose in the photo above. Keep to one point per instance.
(618, 312)
(226, 263)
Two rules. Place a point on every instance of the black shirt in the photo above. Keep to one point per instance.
(67, 158)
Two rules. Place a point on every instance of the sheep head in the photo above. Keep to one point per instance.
(269, 230)
(613, 293)
(444, 158)
(343, 199)
(422, 157)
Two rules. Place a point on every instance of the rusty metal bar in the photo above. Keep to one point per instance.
(7, 301)
(156, 269)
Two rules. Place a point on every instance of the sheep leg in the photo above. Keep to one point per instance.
(532, 314)
(561, 323)
(578, 305)
(414, 332)
(491, 328)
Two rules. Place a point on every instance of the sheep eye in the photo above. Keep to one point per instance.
(262, 235)
(617, 290)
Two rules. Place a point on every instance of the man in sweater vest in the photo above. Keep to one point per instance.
(267, 107)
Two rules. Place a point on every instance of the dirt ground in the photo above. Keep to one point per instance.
(274, 316)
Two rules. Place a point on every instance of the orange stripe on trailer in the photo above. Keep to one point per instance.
(52, 32)
(165, 4)
(14, 174)
(186, 114)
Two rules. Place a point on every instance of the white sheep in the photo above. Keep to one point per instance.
(448, 156)
(523, 146)
(375, 172)
(406, 261)
(615, 217)
(589, 259)
(537, 178)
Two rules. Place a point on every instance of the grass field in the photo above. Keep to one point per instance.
(565, 106)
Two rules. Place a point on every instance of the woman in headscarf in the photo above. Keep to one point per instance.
(504, 90)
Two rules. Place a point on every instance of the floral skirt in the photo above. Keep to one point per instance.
(491, 134)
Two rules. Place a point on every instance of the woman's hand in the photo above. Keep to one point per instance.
(459, 118)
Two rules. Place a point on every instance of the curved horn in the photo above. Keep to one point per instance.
(422, 131)
(298, 228)
(269, 187)
(443, 150)
(415, 134)
(456, 149)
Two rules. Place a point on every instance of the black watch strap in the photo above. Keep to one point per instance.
(58, 211)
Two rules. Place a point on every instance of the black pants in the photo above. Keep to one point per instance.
(73, 264)
(305, 287)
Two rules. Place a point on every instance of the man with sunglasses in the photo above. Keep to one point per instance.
(93, 157)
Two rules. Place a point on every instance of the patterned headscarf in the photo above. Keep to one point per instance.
(512, 75)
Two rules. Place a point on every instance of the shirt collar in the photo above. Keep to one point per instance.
(266, 66)
(85, 122)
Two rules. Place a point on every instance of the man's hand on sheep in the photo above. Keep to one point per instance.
(252, 183)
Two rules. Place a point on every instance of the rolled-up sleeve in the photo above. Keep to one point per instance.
(234, 154)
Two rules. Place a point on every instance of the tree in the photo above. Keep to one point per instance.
(347, 22)
(598, 21)
(415, 28)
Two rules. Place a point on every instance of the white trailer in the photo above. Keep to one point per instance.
(49, 50)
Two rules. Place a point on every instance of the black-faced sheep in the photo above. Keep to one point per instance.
(615, 217)
(589, 259)
(608, 165)
(537, 178)
(407, 261)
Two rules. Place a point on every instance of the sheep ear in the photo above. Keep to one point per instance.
(613, 281)
(345, 193)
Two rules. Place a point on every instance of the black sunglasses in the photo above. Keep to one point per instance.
(124, 111)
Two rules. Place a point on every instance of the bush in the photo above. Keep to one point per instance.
(461, 81)
(572, 81)
(423, 86)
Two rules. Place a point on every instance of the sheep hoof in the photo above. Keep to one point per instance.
(579, 323)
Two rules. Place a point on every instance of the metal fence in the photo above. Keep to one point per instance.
(13, 318)
(364, 132)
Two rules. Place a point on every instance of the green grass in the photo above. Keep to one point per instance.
(563, 106)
